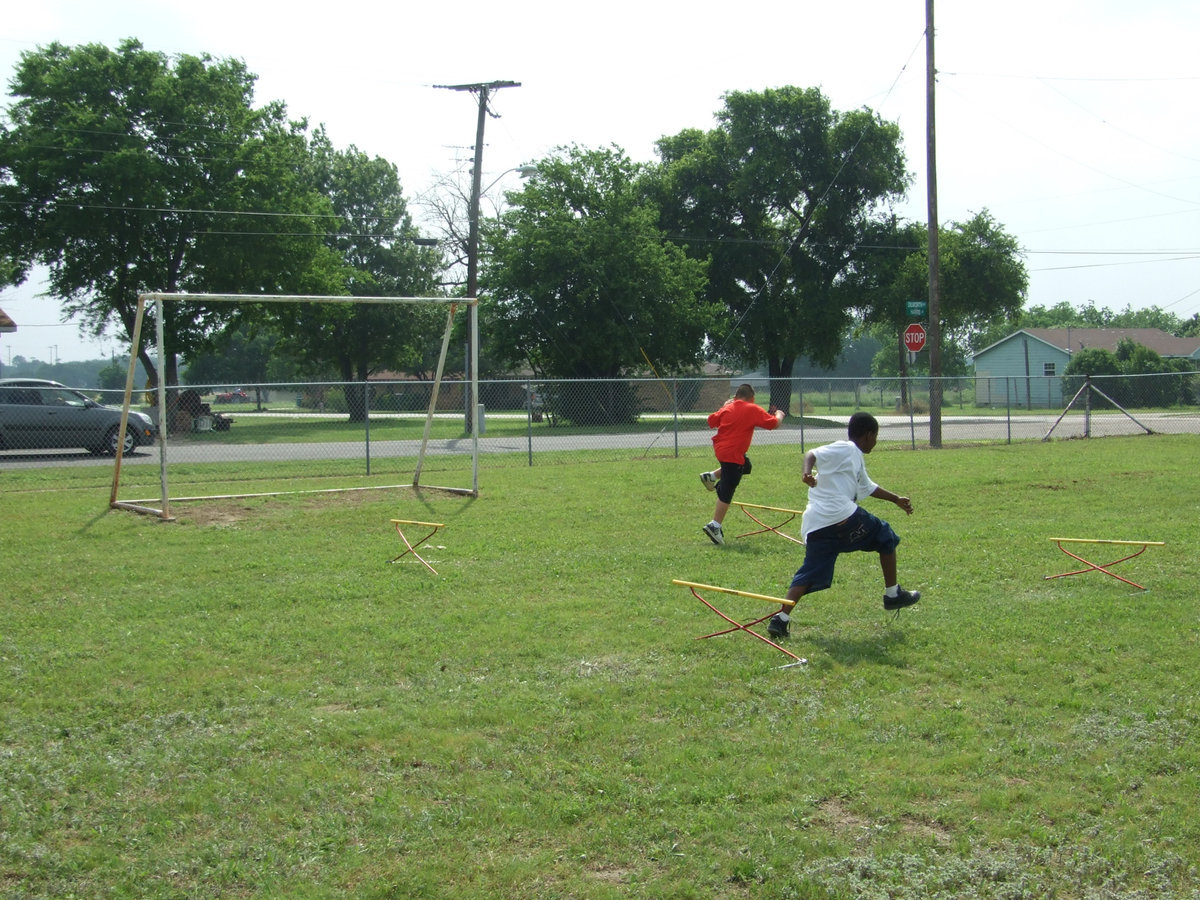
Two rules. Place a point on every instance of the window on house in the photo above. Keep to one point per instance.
(1048, 368)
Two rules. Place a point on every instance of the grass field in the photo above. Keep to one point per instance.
(251, 702)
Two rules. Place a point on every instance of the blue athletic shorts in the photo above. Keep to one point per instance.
(862, 531)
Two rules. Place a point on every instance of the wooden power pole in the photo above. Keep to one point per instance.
(935, 318)
(483, 90)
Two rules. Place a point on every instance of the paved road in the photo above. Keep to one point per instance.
(955, 430)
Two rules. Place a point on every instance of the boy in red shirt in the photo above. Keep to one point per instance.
(735, 423)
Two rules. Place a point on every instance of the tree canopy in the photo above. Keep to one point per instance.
(779, 198)
(374, 251)
(982, 285)
(123, 171)
(580, 280)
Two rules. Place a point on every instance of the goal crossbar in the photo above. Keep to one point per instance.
(158, 298)
(303, 298)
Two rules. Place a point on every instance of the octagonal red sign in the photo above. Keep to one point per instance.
(914, 338)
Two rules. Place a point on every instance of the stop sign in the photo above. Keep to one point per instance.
(914, 338)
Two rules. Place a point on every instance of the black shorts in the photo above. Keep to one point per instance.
(731, 477)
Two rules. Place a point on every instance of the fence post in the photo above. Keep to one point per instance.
(367, 422)
(1087, 407)
(912, 426)
(675, 411)
(529, 417)
(800, 400)
(1008, 407)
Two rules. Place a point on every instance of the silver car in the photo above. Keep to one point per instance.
(36, 414)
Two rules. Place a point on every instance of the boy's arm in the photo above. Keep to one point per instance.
(810, 460)
(773, 418)
(903, 502)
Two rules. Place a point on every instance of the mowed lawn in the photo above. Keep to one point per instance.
(250, 701)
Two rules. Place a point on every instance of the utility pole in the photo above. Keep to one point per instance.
(483, 90)
(935, 316)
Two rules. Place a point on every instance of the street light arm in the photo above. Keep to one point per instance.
(523, 171)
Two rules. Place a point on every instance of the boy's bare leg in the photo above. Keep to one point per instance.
(887, 562)
(795, 592)
(719, 513)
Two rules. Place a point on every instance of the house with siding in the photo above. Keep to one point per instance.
(1025, 368)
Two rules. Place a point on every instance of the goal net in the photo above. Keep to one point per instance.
(296, 438)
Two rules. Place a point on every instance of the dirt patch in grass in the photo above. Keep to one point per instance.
(840, 818)
(213, 515)
(217, 513)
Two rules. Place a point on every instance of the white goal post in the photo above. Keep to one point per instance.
(158, 299)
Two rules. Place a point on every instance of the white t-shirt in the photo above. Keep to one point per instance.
(842, 481)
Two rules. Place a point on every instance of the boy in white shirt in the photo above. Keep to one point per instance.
(834, 523)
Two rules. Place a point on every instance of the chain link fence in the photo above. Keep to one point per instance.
(229, 438)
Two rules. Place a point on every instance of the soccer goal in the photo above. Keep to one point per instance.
(170, 450)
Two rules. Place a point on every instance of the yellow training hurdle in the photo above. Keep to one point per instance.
(779, 510)
(1094, 567)
(412, 548)
(696, 587)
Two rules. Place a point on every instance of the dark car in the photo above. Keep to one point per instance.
(36, 414)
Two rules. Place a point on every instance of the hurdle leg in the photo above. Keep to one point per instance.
(737, 626)
(750, 624)
(765, 527)
(1093, 567)
(412, 548)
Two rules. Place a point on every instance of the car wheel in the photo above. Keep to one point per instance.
(110, 442)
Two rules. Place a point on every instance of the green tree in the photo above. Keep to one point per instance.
(372, 250)
(583, 283)
(1096, 361)
(243, 358)
(124, 172)
(112, 377)
(1064, 315)
(982, 285)
(779, 197)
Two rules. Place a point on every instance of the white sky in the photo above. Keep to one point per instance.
(1073, 121)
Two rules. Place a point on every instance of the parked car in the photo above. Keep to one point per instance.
(234, 396)
(36, 414)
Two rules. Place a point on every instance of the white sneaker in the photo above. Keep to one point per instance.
(709, 480)
(714, 532)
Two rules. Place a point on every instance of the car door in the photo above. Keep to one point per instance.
(23, 418)
(69, 419)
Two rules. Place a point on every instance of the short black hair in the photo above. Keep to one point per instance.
(862, 423)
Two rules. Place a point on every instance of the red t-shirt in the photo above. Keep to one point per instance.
(735, 423)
